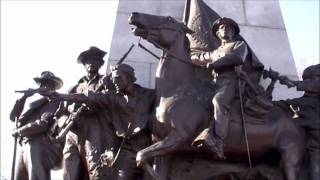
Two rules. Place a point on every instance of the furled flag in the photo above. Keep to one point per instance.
(199, 17)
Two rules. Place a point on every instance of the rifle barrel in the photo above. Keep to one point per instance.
(126, 54)
(150, 52)
(24, 91)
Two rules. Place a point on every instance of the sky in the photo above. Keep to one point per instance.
(49, 35)
(301, 19)
(46, 35)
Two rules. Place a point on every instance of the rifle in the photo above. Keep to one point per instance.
(73, 118)
(150, 52)
(274, 75)
(30, 90)
(69, 123)
(125, 55)
(14, 152)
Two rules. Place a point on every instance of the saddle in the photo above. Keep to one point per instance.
(252, 114)
(257, 106)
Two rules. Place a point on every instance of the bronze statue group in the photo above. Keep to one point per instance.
(108, 121)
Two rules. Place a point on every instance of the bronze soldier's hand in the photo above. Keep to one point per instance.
(195, 56)
(286, 81)
(53, 95)
(29, 93)
(107, 158)
(15, 132)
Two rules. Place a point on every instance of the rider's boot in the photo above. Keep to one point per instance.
(216, 145)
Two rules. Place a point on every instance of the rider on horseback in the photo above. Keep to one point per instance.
(225, 61)
(230, 54)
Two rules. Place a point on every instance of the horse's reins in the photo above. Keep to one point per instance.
(166, 51)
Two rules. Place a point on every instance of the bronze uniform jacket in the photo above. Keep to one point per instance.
(94, 122)
(135, 109)
(36, 128)
(38, 119)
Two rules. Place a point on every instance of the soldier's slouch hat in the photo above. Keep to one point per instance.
(92, 53)
(47, 76)
(224, 20)
(125, 68)
(311, 71)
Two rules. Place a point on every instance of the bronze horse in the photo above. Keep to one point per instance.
(183, 110)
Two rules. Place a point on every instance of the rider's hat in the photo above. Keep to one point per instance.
(224, 20)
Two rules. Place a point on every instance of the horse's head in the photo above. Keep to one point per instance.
(159, 30)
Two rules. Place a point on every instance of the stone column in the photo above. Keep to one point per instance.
(261, 24)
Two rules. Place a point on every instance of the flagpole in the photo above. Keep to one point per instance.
(186, 12)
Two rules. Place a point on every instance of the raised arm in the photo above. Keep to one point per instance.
(101, 99)
(19, 105)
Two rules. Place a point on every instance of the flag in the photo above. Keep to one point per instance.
(199, 17)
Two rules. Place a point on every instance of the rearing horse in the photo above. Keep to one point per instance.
(183, 105)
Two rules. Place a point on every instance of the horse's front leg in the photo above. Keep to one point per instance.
(168, 145)
(162, 165)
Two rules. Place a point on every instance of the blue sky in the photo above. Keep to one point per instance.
(301, 19)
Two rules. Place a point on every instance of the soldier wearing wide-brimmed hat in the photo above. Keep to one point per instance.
(131, 107)
(92, 135)
(48, 77)
(222, 61)
(93, 53)
(92, 59)
(39, 154)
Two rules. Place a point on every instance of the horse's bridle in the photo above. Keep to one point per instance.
(166, 51)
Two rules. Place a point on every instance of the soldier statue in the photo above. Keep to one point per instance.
(92, 135)
(134, 113)
(227, 62)
(307, 115)
(230, 54)
(36, 126)
(132, 107)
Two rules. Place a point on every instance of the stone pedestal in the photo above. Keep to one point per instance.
(261, 24)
